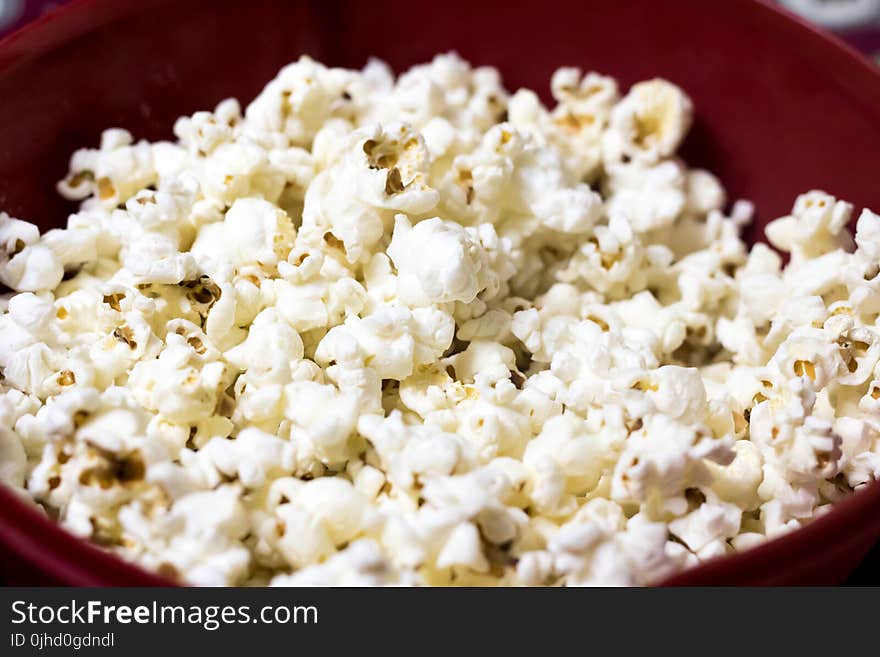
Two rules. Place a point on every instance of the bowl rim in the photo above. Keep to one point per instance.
(28, 533)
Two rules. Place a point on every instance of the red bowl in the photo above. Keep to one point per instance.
(781, 108)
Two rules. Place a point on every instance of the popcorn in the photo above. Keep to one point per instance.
(199, 535)
(704, 192)
(410, 454)
(251, 457)
(563, 447)
(646, 197)
(180, 384)
(678, 393)
(391, 341)
(707, 524)
(384, 171)
(337, 504)
(650, 122)
(416, 331)
(437, 262)
(296, 103)
(360, 564)
(813, 228)
(665, 461)
(32, 269)
(463, 548)
(15, 235)
(111, 174)
(322, 419)
(738, 481)
(13, 455)
(204, 131)
(258, 233)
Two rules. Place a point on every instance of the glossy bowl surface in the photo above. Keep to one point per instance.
(781, 108)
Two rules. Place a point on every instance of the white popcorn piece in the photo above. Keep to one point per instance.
(708, 523)
(257, 232)
(563, 446)
(463, 548)
(360, 564)
(13, 458)
(252, 456)
(814, 226)
(738, 481)
(650, 122)
(111, 174)
(384, 171)
(646, 197)
(437, 262)
(32, 269)
(322, 420)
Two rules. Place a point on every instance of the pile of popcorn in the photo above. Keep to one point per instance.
(417, 330)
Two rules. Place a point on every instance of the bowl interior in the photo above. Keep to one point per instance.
(779, 110)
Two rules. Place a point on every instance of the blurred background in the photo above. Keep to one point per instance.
(856, 21)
